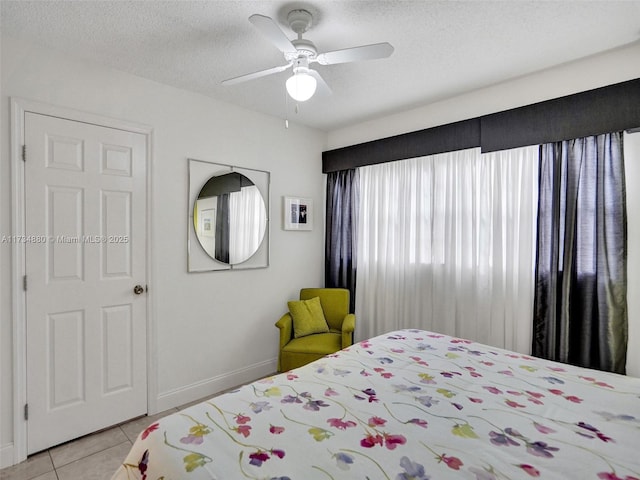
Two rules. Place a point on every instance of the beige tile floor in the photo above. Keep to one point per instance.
(94, 457)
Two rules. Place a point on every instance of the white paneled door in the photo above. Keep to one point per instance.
(85, 254)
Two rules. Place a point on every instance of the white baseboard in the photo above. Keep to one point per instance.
(188, 393)
(211, 386)
(6, 455)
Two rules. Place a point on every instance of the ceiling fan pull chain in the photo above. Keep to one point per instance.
(286, 110)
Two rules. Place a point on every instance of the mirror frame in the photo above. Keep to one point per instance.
(198, 260)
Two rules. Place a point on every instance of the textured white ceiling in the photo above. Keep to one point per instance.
(442, 48)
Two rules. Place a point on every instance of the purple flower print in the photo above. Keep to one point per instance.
(554, 380)
(501, 440)
(291, 399)
(407, 388)
(427, 401)
(512, 432)
(586, 426)
(192, 439)
(419, 422)
(314, 405)
(258, 407)
(371, 393)
(412, 470)
(343, 460)
(541, 449)
(593, 429)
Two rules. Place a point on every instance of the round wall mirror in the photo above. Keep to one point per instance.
(230, 218)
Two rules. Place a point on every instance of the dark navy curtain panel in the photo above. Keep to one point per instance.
(580, 307)
(222, 229)
(342, 224)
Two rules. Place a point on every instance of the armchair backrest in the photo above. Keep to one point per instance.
(334, 301)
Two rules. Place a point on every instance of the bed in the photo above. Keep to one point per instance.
(407, 405)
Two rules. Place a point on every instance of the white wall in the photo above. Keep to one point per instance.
(632, 171)
(599, 70)
(214, 330)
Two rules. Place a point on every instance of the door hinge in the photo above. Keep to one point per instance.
(26, 411)
(24, 283)
(24, 153)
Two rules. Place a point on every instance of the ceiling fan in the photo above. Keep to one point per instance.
(300, 53)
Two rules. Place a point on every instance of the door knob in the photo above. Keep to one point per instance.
(138, 289)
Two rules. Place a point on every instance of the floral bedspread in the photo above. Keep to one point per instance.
(406, 405)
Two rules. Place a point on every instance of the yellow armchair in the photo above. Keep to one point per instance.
(295, 352)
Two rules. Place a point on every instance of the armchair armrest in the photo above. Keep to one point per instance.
(348, 326)
(285, 324)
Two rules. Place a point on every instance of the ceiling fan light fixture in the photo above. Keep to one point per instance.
(301, 86)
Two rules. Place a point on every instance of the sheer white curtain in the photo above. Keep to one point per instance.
(247, 221)
(447, 243)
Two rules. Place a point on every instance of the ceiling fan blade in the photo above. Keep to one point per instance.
(270, 30)
(322, 88)
(251, 76)
(355, 54)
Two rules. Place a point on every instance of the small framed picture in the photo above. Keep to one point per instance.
(298, 213)
(207, 222)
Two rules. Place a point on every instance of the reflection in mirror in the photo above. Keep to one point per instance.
(230, 218)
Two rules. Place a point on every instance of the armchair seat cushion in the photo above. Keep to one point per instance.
(303, 350)
(322, 343)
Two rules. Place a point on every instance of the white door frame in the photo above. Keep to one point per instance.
(19, 107)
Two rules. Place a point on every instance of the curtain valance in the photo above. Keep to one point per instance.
(602, 110)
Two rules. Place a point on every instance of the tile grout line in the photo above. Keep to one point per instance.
(94, 454)
(55, 470)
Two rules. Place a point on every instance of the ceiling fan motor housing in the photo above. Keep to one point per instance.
(300, 21)
(305, 48)
(301, 64)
